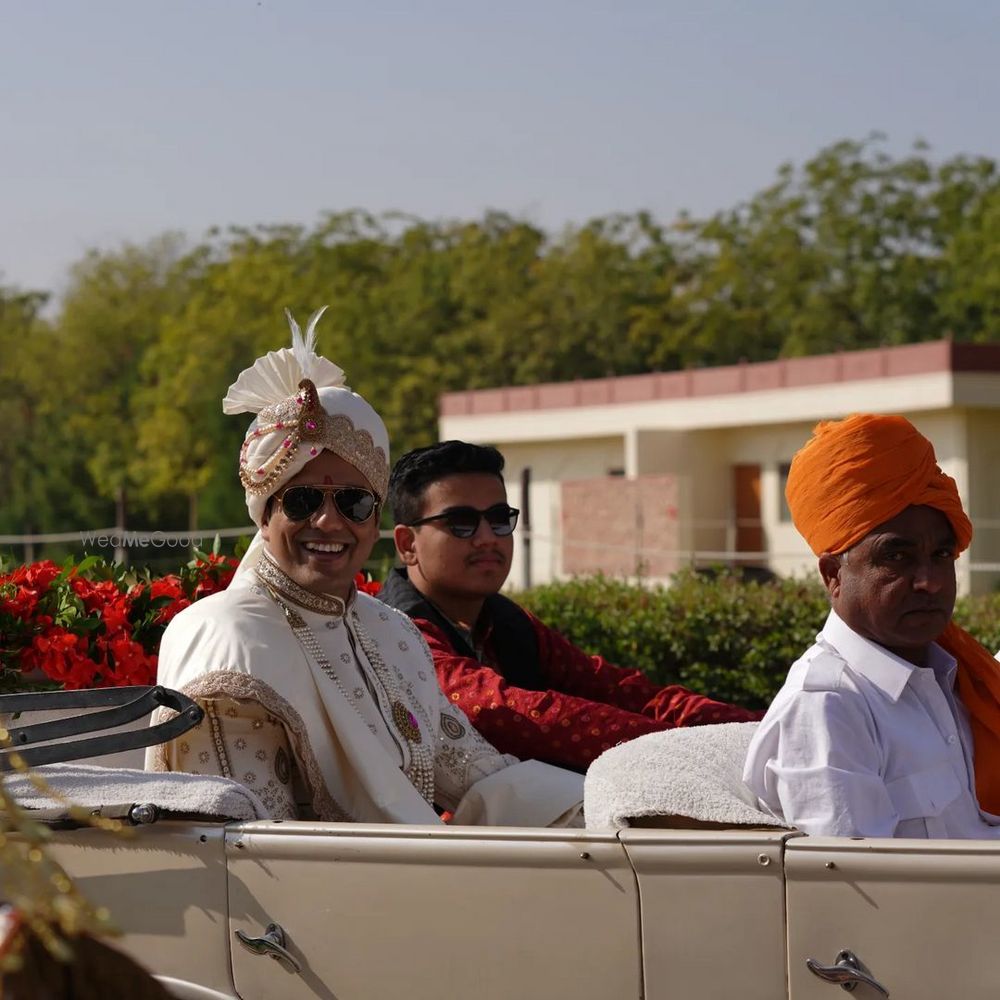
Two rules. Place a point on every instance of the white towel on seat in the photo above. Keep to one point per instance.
(695, 773)
(92, 786)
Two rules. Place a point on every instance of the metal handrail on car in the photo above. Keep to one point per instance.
(122, 705)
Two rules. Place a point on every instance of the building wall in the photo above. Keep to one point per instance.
(772, 447)
(551, 462)
(621, 527)
(697, 460)
(924, 392)
(699, 440)
(983, 497)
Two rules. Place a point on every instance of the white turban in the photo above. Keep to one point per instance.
(302, 407)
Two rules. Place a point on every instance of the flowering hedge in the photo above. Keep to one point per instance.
(94, 624)
(97, 624)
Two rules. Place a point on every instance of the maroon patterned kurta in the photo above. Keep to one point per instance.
(589, 706)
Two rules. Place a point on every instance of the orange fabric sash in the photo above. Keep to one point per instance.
(979, 688)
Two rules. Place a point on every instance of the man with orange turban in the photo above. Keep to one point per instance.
(889, 726)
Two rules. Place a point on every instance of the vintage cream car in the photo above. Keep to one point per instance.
(668, 907)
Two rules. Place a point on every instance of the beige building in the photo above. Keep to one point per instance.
(642, 474)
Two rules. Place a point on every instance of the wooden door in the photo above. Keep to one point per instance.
(749, 530)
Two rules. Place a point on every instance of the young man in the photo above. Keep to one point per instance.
(525, 687)
(888, 726)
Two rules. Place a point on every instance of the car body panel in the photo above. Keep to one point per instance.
(921, 915)
(712, 906)
(165, 886)
(374, 911)
(378, 910)
(182, 989)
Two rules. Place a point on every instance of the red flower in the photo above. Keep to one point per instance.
(367, 585)
(214, 575)
(37, 576)
(61, 656)
(131, 664)
(169, 586)
(107, 634)
(31, 582)
(94, 595)
(21, 605)
(116, 613)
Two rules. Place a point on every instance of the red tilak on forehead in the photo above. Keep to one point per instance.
(327, 481)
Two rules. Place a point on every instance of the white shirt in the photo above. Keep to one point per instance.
(861, 743)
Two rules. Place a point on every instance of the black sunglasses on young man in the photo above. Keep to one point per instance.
(463, 522)
(355, 503)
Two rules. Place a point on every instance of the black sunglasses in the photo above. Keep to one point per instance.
(352, 502)
(463, 522)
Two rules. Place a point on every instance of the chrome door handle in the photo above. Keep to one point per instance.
(848, 971)
(272, 944)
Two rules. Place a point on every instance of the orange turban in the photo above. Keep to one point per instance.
(855, 474)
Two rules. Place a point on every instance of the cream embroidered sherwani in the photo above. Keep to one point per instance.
(335, 712)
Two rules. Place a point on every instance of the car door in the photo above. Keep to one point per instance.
(712, 911)
(425, 912)
(165, 886)
(921, 915)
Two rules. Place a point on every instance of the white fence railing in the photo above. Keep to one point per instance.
(123, 541)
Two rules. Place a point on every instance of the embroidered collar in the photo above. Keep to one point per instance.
(418, 764)
(323, 604)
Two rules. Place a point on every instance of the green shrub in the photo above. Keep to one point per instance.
(981, 616)
(722, 636)
(717, 634)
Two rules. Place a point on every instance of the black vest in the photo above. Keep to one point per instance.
(514, 642)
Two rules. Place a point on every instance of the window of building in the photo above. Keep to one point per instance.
(784, 514)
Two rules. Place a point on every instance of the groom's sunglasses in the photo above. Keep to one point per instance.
(352, 502)
(463, 522)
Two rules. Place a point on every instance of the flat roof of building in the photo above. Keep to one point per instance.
(935, 357)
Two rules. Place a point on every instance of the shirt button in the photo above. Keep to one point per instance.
(951, 739)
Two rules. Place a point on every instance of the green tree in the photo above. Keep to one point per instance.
(111, 316)
(854, 248)
(969, 301)
(28, 503)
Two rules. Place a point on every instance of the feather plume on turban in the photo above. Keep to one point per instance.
(302, 407)
(858, 473)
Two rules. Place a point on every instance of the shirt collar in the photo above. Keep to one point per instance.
(477, 636)
(480, 631)
(887, 671)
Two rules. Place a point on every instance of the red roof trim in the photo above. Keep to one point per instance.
(822, 369)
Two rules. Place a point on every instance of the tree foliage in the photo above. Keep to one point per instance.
(120, 389)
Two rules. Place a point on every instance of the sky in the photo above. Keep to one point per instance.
(122, 119)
